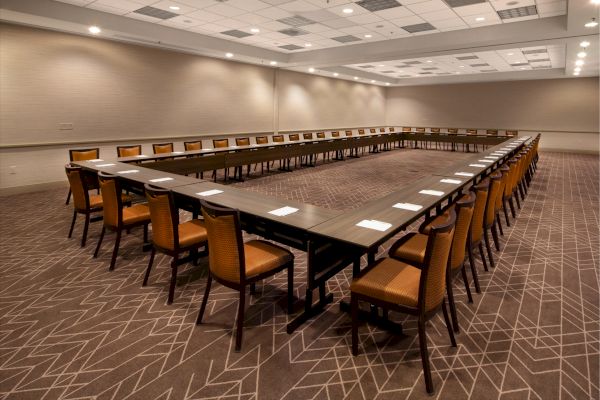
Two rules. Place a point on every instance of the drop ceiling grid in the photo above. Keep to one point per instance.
(506, 60)
(318, 22)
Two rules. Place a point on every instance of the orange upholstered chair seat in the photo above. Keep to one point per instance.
(261, 257)
(95, 201)
(135, 214)
(411, 248)
(192, 232)
(392, 281)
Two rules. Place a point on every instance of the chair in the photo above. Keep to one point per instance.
(242, 142)
(321, 135)
(489, 222)
(83, 202)
(435, 132)
(499, 203)
(116, 217)
(236, 264)
(353, 150)
(171, 237)
(279, 139)
(471, 132)
(219, 144)
(294, 137)
(452, 132)
(361, 132)
(512, 133)
(262, 140)
(406, 288)
(82, 155)
(420, 130)
(129, 151)
(406, 129)
(309, 136)
(161, 148)
(491, 132)
(194, 146)
(412, 247)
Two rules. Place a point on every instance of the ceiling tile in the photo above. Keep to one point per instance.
(248, 5)
(393, 13)
(428, 6)
(484, 8)
(225, 10)
(299, 6)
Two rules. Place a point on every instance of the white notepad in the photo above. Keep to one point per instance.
(128, 171)
(408, 206)
(477, 165)
(485, 161)
(209, 192)
(96, 160)
(492, 157)
(464, 173)
(453, 181)
(431, 192)
(498, 153)
(374, 224)
(177, 152)
(161, 179)
(141, 156)
(105, 165)
(283, 211)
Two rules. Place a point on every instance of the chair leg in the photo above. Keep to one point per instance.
(290, 290)
(173, 280)
(486, 237)
(425, 356)
(485, 267)
(204, 300)
(68, 197)
(113, 260)
(99, 242)
(499, 223)
(516, 196)
(240, 320)
(495, 237)
(354, 308)
(452, 305)
(463, 272)
(474, 270)
(448, 324)
(512, 207)
(152, 253)
(72, 224)
(253, 288)
(505, 208)
(85, 230)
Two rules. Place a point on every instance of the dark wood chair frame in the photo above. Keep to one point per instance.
(216, 212)
(138, 146)
(156, 145)
(176, 252)
(186, 148)
(71, 153)
(121, 226)
(86, 178)
(419, 311)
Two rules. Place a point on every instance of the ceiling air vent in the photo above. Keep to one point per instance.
(467, 58)
(296, 20)
(517, 12)
(236, 33)
(155, 12)
(293, 32)
(462, 3)
(419, 27)
(535, 51)
(378, 5)
(290, 47)
(346, 39)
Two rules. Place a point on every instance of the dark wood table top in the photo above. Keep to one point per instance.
(344, 227)
(258, 204)
(139, 174)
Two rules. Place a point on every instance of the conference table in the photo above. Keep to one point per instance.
(333, 240)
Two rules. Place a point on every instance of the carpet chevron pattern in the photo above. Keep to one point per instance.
(70, 329)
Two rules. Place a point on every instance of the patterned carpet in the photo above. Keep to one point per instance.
(70, 329)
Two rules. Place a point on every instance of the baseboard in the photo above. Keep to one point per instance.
(560, 150)
(39, 187)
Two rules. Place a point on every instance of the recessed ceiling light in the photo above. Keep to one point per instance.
(307, 44)
(311, 70)
(592, 23)
(372, 80)
(457, 72)
(381, 65)
(356, 78)
(254, 30)
(595, 2)
(510, 54)
(273, 62)
(522, 68)
(576, 73)
(462, 66)
(387, 84)
(579, 63)
(335, 74)
(578, 69)
(174, 8)
(368, 36)
(229, 55)
(479, 19)
(94, 30)
(347, 11)
(429, 61)
(584, 44)
(581, 54)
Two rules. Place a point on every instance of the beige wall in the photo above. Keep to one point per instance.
(566, 110)
(315, 102)
(114, 91)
